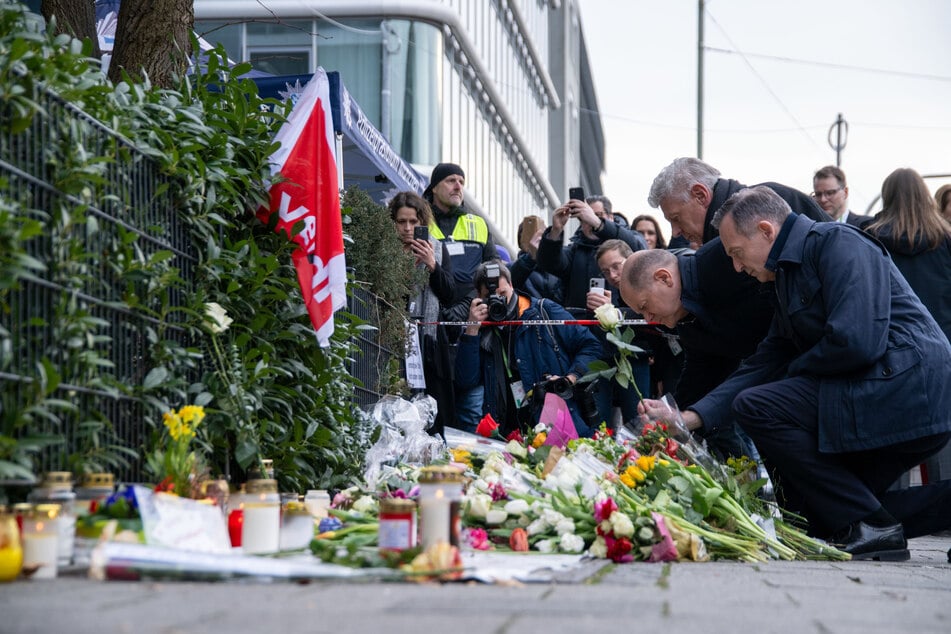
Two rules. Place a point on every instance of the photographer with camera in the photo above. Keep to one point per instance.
(514, 364)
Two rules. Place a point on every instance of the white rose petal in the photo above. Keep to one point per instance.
(622, 524)
(536, 527)
(565, 526)
(608, 316)
(545, 546)
(571, 543)
(365, 504)
(516, 449)
(216, 318)
(599, 548)
(552, 517)
(496, 517)
(478, 505)
(517, 507)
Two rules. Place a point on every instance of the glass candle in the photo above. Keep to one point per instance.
(317, 502)
(297, 526)
(397, 529)
(439, 486)
(40, 541)
(11, 552)
(57, 488)
(261, 526)
(94, 488)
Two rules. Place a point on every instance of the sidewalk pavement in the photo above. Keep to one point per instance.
(825, 597)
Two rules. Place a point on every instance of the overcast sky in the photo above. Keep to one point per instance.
(776, 75)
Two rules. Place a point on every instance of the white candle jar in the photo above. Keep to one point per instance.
(57, 488)
(439, 487)
(41, 541)
(261, 528)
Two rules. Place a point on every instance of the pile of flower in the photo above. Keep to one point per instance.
(644, 497)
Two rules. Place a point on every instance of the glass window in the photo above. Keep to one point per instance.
(226, 33)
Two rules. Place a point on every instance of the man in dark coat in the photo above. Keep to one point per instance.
(719, 314)
(849, 388)
(508, 361)
(689, 192)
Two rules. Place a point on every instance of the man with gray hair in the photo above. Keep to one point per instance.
(849, 388)
(689, 192)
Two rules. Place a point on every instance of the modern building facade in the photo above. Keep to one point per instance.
(501, 87)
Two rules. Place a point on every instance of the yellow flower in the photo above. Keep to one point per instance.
(461, 456)
(632, 476)
(646, 463)
(192, 414)
(539, 439)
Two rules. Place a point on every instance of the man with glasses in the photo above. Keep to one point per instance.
(689, 192)
(832, 193)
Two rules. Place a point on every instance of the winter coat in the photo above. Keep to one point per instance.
(801, 203)
(730, 313)
(538, 350)
(575, 264)
(928, 272)
(846, 316)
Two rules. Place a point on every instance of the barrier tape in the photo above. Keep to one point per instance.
(537, 322)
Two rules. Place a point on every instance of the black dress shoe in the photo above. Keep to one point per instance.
(882, 543)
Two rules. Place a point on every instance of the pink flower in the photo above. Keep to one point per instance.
(665, 549)
(478, 539)
(603, 510)
(498, 492)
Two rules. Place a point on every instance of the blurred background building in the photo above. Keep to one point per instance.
(501, 87)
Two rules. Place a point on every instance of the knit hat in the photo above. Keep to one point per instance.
(440, 173)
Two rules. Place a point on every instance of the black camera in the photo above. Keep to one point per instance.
(498, 306)
(559, 386)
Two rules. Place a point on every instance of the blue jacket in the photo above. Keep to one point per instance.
(847, 316)
(538, 350)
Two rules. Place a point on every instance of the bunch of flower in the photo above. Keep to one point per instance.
(175, 463)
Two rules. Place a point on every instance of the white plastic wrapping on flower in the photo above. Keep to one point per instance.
(403, 436)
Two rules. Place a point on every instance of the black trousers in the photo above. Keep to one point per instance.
(834, 490)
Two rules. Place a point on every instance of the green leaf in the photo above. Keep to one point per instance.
(156, 377)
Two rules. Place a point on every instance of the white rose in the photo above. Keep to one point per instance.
(608, 316)
(599, 548)
(622, 524)
(516, 449)
(216, 318)
(565, 526)
(545, 546)
(536, 527)
(571, 543)
(478, 505)
(552, 517)
(365, 504)
(541, 427)
(496, 517)
(516, 507)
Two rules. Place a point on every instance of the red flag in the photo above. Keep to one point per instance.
(310, 195)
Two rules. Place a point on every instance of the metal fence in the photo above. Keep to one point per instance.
(83, 232)
(133, 204)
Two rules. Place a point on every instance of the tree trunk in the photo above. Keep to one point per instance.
(74, 17)
(153, 38)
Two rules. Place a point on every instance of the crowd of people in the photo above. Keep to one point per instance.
(785, 327)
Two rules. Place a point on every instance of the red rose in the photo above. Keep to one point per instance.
(487, 426)
(516, 436)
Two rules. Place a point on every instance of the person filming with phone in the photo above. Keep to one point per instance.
(411, 214)
(515, 364)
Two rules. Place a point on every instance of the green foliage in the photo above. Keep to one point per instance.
(282, 397)
(376, 255)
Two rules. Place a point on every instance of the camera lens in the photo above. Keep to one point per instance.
(497, 307)
(561, 387)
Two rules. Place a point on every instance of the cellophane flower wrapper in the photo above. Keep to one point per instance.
(476, 445)
(403, 436)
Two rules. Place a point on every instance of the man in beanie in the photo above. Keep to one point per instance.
(468, 243)
(465, 235)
